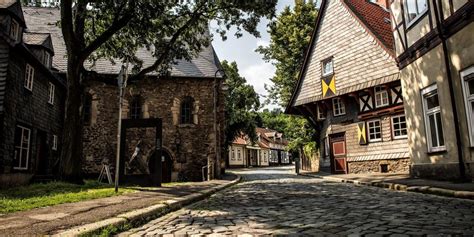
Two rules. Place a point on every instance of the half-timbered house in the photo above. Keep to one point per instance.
(349, 89)
(434, 43)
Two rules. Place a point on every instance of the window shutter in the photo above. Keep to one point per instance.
(362, 133)
(365, 103)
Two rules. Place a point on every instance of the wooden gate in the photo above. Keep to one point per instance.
(338, 153)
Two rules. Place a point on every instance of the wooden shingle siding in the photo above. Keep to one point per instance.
(4, 50)
(358, 58)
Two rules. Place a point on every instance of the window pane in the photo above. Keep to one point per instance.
(24, 158)
(414, 8)
(432, 101)
(471, 87)
(432, 125)
(440, 129)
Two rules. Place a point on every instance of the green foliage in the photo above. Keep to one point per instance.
(53, 193)
(290, 35)
(242, 102)
(297, 130)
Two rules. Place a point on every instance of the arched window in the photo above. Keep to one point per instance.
(136, 108)
(187, 110)
(87, 113)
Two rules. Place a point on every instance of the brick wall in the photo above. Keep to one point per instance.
(160, 100)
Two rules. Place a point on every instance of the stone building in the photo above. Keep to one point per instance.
(349, 89)
(31, 101)
(435, 51)
(188, 100)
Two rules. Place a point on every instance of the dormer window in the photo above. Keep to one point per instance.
(327, 67)
(47, 59)
(14, 29)
(414, 9)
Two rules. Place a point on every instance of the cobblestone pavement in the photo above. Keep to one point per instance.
(274, 201)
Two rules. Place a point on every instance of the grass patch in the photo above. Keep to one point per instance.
(53, 193)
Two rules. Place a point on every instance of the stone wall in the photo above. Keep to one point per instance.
(189, 145)
(374, 166)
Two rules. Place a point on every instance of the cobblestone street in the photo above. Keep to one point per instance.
(275, 201)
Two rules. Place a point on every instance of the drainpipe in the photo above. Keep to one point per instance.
(442, 36)
(217, 149)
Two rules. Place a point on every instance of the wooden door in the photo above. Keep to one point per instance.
(338, 154)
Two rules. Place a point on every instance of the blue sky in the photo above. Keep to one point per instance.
(242, 50)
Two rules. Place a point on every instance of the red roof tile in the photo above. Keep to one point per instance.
(374, 18)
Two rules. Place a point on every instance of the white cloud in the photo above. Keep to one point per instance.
(262, 42)
(258, 75)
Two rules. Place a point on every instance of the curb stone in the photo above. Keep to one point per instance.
(144, 213)
(402, 187)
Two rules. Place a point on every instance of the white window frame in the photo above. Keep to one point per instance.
(47, 59)
(239, 155)
(232, 154)
(368, 130)
(29, 77)
(323, 64)
(320, 113)
(393, 127)
(341, 107)
(383, 94)
(468, 99)
(23, 149)
(52, 88)
(426, 92)
(14, 33)
(421, 14)
(55, 143)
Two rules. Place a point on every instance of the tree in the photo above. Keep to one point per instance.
(117, 29)
(242, 102)
(290, 34)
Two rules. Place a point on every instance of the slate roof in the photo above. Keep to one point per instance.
(13, 7)
(38, 39)
(44, 20)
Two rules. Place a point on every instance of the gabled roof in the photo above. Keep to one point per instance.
(376, 19)
(371, 16)
(13, 7)
(38, 39)
(44, 20)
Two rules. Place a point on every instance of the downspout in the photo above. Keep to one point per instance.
(462, 169)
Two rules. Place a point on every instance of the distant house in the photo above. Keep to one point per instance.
(31, 101)
(349, 89)
(435, 51)
(188, 99)
(244, 153)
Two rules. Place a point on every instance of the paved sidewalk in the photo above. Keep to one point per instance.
(402, 181)
(54, 219)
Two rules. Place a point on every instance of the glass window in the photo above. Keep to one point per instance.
(51, 93)
(321, 114)
(414, 9)
(399, 126)
(14, 29)
(233, 154)
(47, 59)
(381, 97)
(432, 114)
(375, 130)
(55, 143)
(327, 67)
(136, 108)
(29, 76)
(22, 148)
(238, 155)
(468, 84)
(186, 110)
(338, 107)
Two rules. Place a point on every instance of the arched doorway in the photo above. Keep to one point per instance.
(166, 166)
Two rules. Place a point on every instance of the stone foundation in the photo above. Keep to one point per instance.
(375, 166)
(435, 171)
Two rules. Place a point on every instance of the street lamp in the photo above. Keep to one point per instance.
(122, 83)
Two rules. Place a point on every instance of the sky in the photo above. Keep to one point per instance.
(242, 50)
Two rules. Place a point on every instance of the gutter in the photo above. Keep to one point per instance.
(457, 129)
